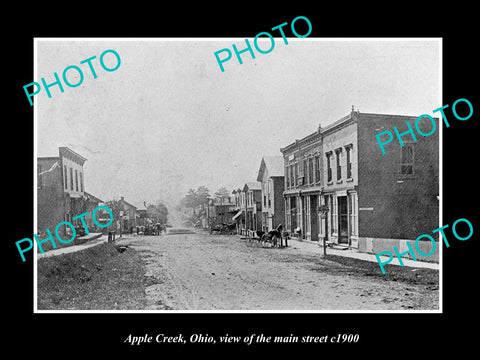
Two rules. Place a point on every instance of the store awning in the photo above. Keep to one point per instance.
(237, 215)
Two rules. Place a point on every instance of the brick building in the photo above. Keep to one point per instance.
(303, 188)
(270, 175)
(61, 194)
(374, 201)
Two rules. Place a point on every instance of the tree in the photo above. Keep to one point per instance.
(191, 199)
(162, 213)
(116, 207)
(202, 195)
(158, 212)
(222, 193)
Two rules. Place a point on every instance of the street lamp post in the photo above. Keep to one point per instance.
(121, 222)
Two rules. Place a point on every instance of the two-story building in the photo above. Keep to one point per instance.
(239, 207)
(303, 186)
(92, 204)
(61, 194)
(223, 210)
(128, 216)
(141, 215)
(270, 176)
(252, 199)
(340, 187)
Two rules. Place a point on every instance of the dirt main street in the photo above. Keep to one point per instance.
(219, 272)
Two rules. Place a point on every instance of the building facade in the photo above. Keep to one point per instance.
(239, 208)
(252, 200)
(223, 210)
(303, 186)
(92, 203)
(60, 192)
(141, 215)
(339, 187)
(128, 216)
(270, 176)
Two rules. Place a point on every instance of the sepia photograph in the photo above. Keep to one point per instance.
(170, 179)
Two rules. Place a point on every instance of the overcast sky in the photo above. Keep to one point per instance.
(168, 119)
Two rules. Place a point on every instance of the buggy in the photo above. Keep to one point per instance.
(223, 229)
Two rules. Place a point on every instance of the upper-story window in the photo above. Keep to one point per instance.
(406, 167)
(71, 179)
(348, 150)
(295, 174)
(81, 181)
(269, 192)
(65, 176)
(290, 176)
(303, 179)
(338, 154)
(305, 171)
(310, 170)
(329, 166)
(317, 168)
(76, 180)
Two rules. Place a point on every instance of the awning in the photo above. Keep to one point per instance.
(237, 215)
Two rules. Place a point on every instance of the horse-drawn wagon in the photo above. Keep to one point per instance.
(225, 229)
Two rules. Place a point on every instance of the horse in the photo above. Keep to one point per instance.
(273, 235)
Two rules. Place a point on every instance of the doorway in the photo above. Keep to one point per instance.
(293, 213)
(342, 220)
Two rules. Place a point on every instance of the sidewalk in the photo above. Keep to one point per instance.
(311, 246)
(83, 246)
(73, 248)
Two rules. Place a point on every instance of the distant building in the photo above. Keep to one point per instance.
(128, 216)
(141, 215)
(374, 201)
(270, 175)
(252, 200)
(239, 217)
(92, 203)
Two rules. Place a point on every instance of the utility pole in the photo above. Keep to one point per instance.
(208, 212)
(323, 210)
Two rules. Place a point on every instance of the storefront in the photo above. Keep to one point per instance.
(339, 223)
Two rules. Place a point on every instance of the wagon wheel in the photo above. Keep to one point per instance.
(275, 241)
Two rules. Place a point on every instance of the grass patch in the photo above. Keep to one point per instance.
(411, 275)
(97, 278)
